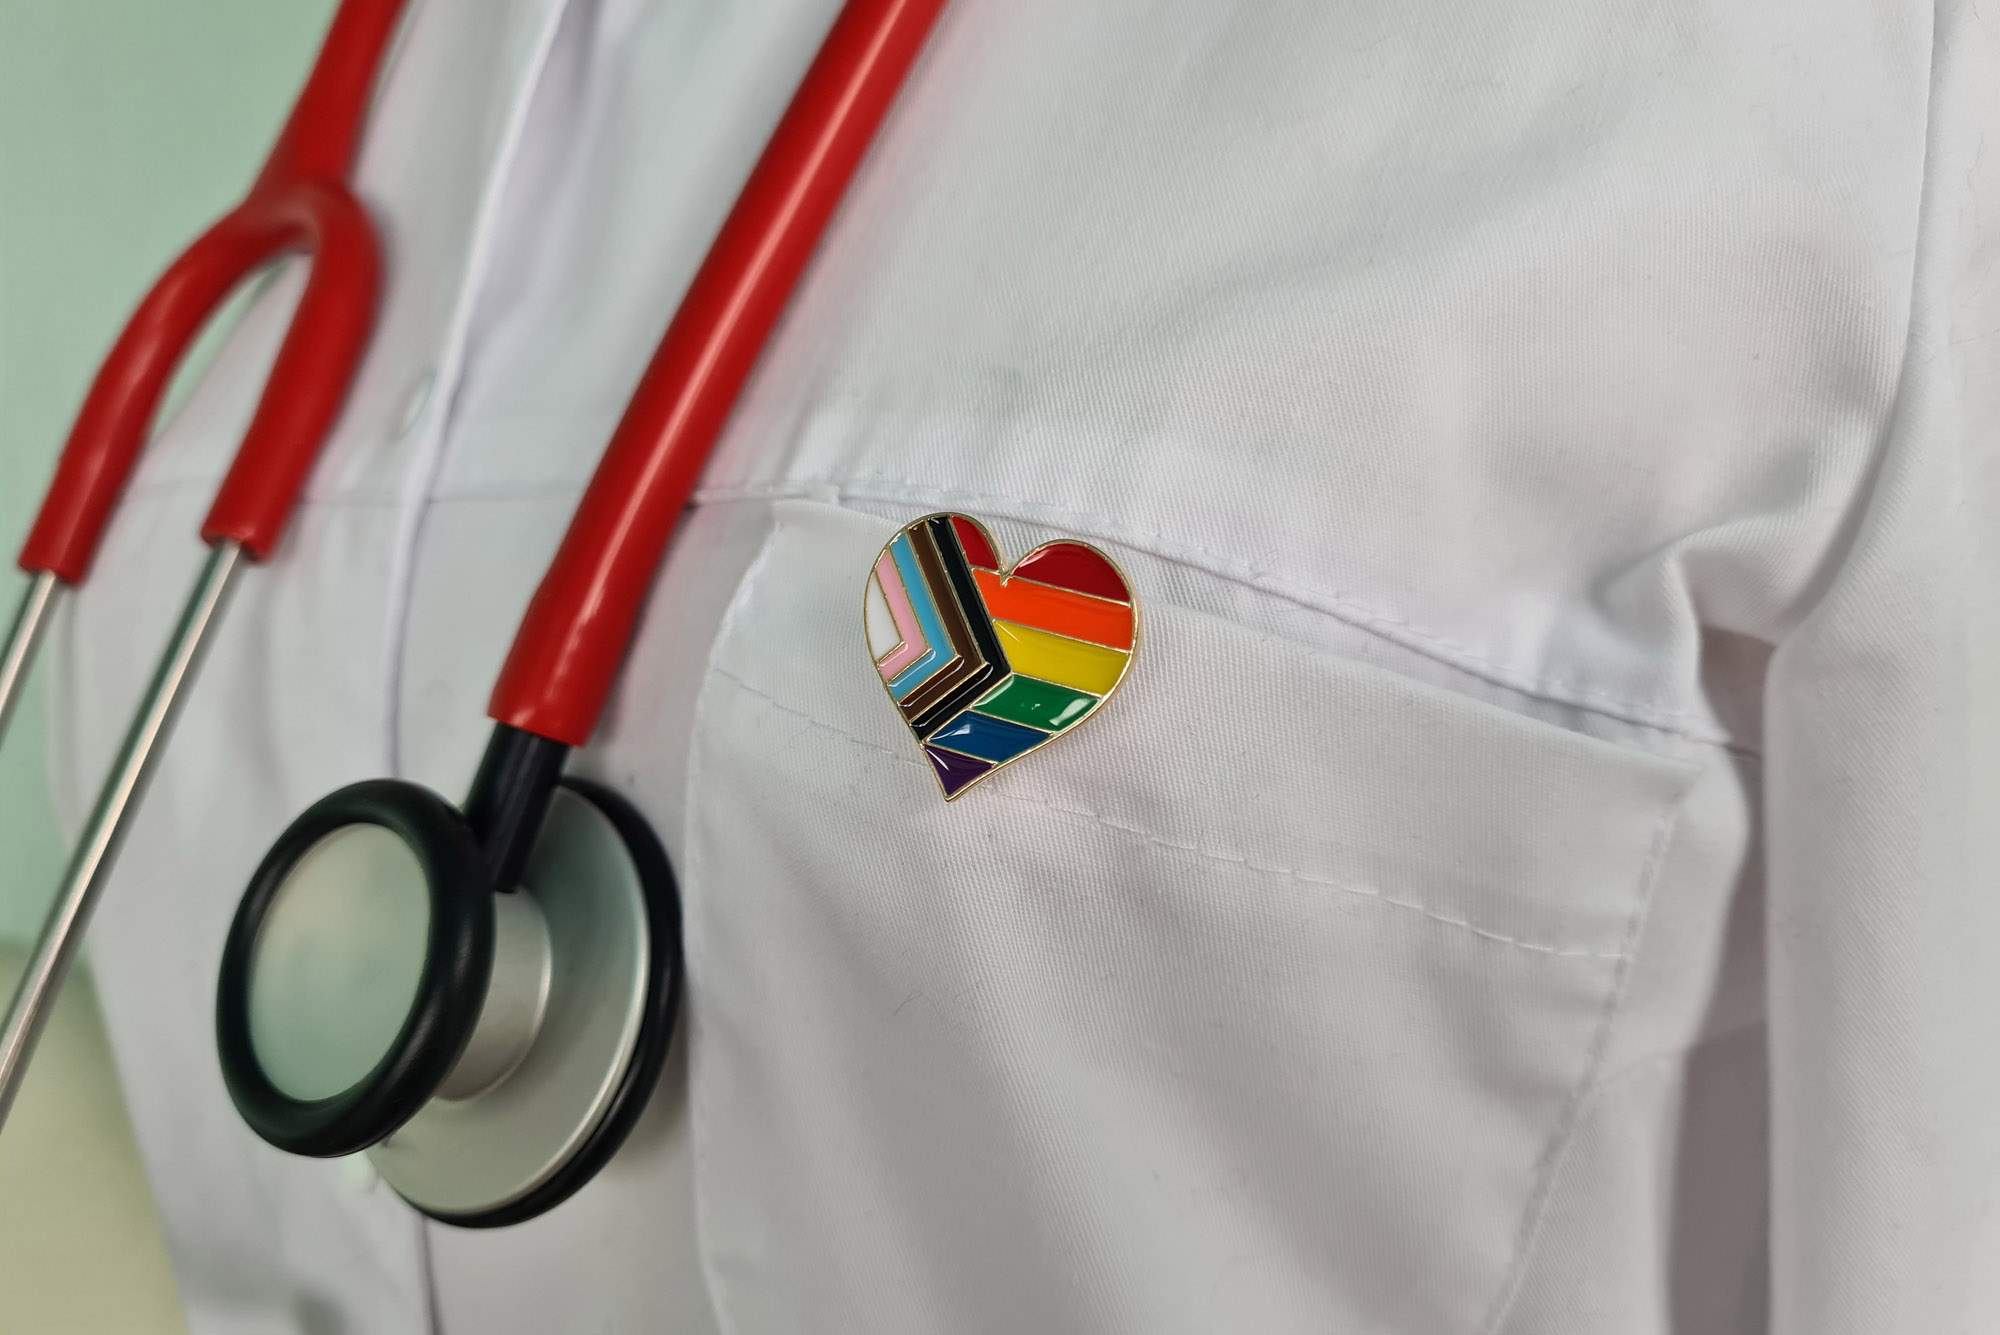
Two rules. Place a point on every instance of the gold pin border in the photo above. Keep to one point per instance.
(1138, 639)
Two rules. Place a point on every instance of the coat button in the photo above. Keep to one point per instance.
(414, 403)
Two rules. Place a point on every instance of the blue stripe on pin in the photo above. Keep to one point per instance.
(987, 738)
(921, 602)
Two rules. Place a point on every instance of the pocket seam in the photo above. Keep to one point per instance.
(1619, 957)
(1683, 723)
(1548, 1167)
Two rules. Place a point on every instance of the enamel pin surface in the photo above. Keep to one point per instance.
(987, 664)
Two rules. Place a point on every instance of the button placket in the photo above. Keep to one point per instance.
(424, 423)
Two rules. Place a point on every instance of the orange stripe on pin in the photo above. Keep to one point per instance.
(1077, 615)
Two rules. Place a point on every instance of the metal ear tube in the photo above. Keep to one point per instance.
(299, 205)
(97, 846)
(24, 639)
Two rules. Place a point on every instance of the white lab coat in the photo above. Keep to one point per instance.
(1539, 876)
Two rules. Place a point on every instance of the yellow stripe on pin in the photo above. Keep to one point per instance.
(1057, 658)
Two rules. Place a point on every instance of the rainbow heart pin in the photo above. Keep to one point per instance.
(986, 664)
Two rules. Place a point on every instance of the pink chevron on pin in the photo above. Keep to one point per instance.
(911, 641)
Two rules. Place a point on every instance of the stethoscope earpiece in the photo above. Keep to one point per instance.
(488, 1049)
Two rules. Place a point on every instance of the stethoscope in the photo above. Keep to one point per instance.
(481, 997)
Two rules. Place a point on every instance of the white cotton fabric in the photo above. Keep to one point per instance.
(1536, 878)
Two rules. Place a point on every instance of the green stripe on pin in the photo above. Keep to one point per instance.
(1037, 703)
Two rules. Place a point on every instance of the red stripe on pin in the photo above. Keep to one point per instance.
(1069, 565)
(979, 551)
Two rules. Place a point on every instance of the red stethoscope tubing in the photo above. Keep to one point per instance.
(578, 625)
(577, 628)
(299, 203)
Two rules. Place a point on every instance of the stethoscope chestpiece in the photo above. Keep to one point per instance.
(355, 969)
(489, 1049)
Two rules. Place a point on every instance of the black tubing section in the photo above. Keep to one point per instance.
(510, 796)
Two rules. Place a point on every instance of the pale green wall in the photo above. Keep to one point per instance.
(125, 125)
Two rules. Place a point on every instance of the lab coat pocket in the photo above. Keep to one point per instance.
(1261, 1002)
